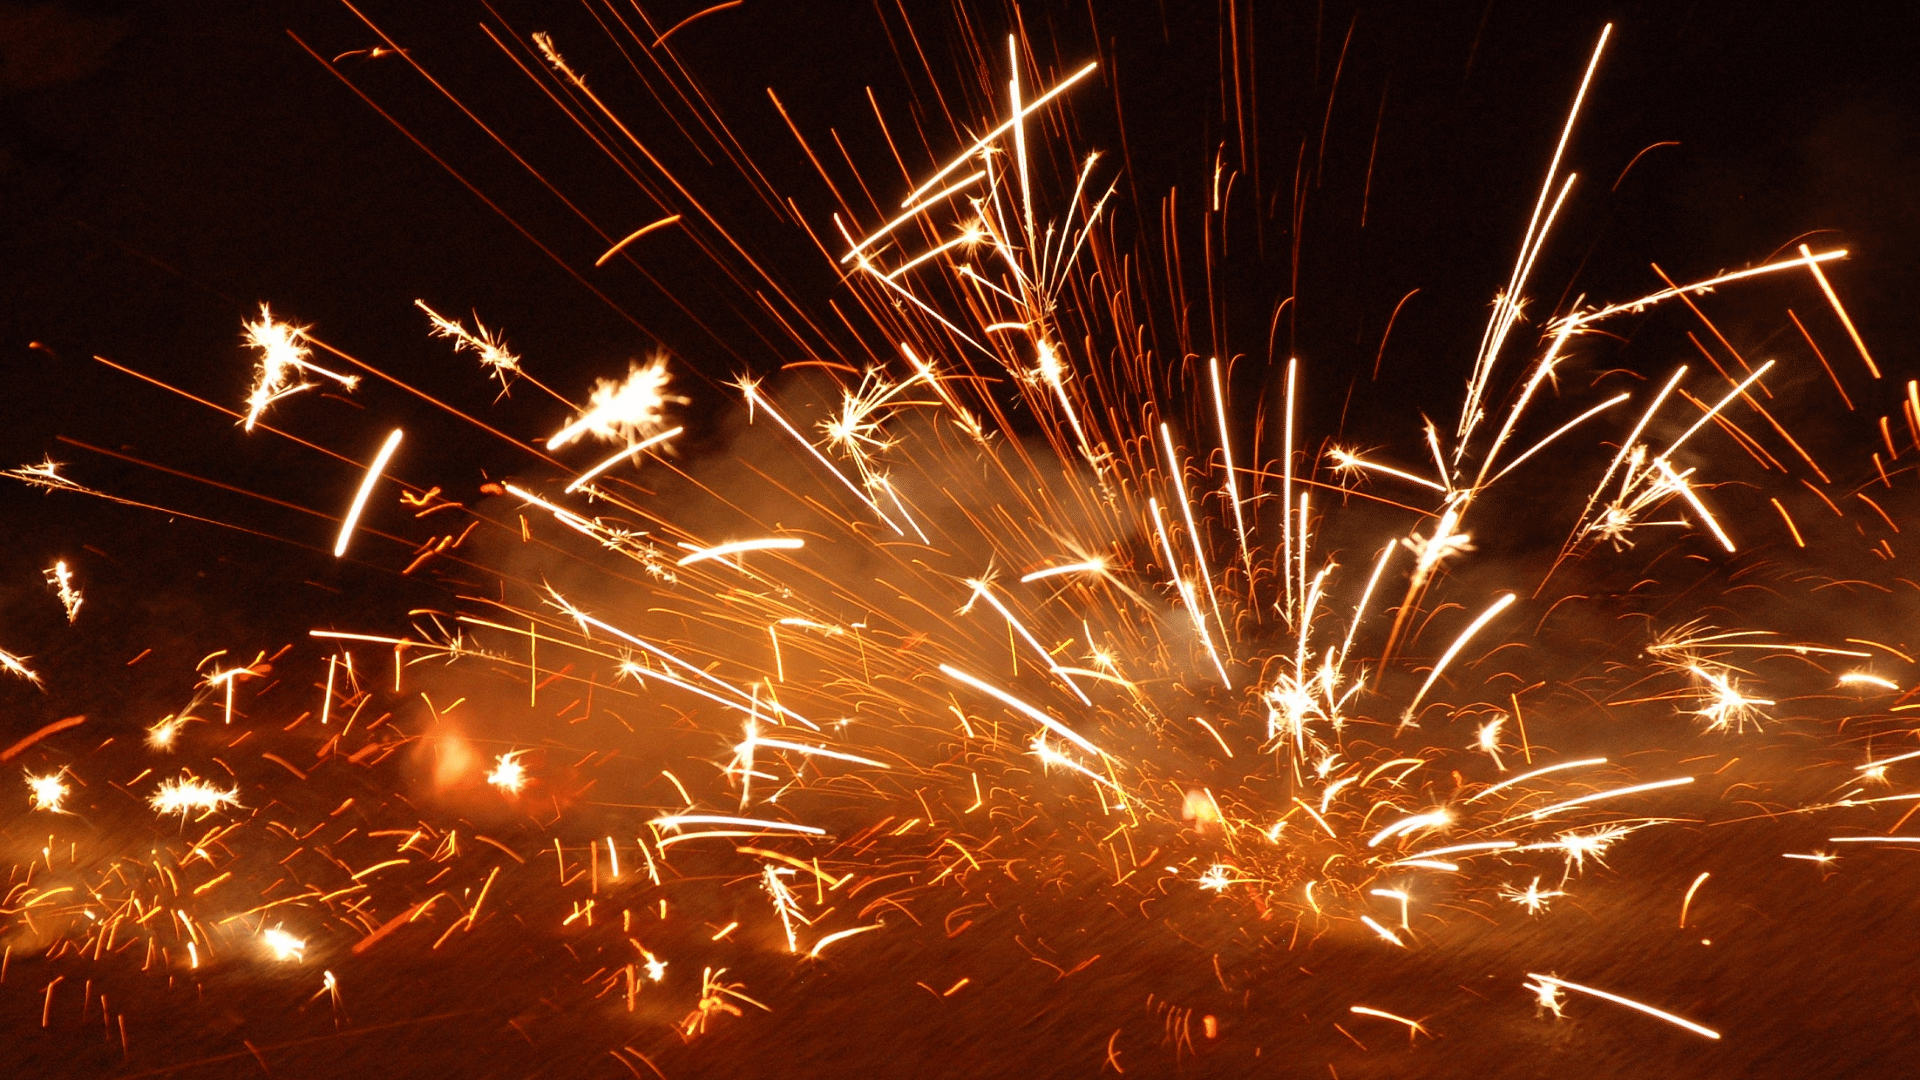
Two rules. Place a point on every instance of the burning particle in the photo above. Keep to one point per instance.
(490, 346)
(61, 578)
(163, 733)
(190, 794)
(508, 774)
(283, 946)
(47, 792)
(626, 411)
(283, 360)
(17, 665)
(1547, 988)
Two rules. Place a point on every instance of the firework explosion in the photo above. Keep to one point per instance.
(1021, 622)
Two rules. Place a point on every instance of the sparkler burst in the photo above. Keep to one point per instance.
(1037, 627)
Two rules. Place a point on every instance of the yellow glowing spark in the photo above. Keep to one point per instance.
(1022, 707)
(1873, 839)
(681, 821)
(283, 946)
(486, 345)
(1413, 1026)
(1727, 706)
(190, 794)
(1433, 819)
(1453, 650)
(1533, 897)
(1386, 935)
(1883, 762)
(1862, 678)
(61, 578)
(508, 774)
(1400, 895)
(721, 551)
(1542, 981)
(1578, 846)
(1613, 793)
(1686, 902)
(1458, 849)
(1088, 566)
(586, 477)
(163, 733)
(814, 953)
(1509, 782)
(1487, 740)
(1813, 266)
(18, 666)
(47, 792)
(627, 411)
(366, 490)
(283, 358)
(1217, 878)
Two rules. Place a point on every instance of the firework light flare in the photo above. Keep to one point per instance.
(1014, 617)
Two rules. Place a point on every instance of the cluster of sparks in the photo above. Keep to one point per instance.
(1144, 639)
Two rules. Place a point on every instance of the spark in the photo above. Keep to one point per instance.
(17, 665)
(366, 490)
(1543, 771)
(189, 794)
(1413, 1026)
(1085, 566)
(721, 551)
(283, 946)
(61, 578)
(838, 935)
(1533, 897)
(1405, 826)
(630, 410)
(509, 774)
(283, 362)
(1541, 982)
(1613, 793)
(48, 792)
(487, 346)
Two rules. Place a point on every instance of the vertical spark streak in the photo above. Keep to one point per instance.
(1286, 489)
(366, 490)
(1175, 468)
(1186, 593)
(1233, 485)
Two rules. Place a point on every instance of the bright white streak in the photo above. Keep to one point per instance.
(676, 821)
(754, 397)
(814, 953)
(1453, 650)
(1582, 763)
(366, 490)
(581, 480)
(1025, 709)
(1090, 566)
(1186, 592)
(1548, 980)
(771, 543)
(1709, 284)
(1226, 452)
(988, 138)
(1598, 795)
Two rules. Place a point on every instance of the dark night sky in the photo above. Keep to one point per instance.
(165, 167)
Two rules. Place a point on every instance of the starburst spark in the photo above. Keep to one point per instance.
(283, 363)
(188, 795)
